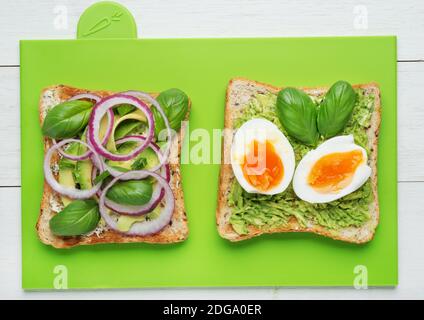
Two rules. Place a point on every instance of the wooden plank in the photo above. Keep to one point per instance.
(49, 19)
(411, 263)
(410, 124)
(10, 161)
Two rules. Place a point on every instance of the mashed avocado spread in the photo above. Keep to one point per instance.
(265, 212)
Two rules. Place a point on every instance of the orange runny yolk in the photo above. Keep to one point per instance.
(262, 166)
(335, 171)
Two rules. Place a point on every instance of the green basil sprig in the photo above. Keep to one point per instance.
(139, 163)
(78, 218)
(124, 109)
(67, 119)
(128, 127)
(131, 192)
(174, 103)
(298, 115)
(336, 109)
(101, 177)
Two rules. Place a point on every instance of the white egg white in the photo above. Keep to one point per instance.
(262, 130)
(337, 144)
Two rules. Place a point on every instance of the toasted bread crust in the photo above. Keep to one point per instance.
(355, 235)
(176, 231)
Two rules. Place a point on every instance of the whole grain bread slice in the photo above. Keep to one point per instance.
(51, 203)
(239, 92)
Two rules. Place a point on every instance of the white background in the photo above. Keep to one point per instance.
(21, 19)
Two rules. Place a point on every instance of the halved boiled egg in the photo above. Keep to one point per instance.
(333, 170)
(262, 158)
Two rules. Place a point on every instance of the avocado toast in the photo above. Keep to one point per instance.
(241, 215)
(52, 202)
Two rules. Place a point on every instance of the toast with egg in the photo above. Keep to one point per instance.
(239, 92)
(51, 202)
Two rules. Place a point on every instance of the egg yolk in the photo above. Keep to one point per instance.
(262, 166)
(335, 171)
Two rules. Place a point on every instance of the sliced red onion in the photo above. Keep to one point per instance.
(162, 159)
(98, 112)
(99, 164)
(146, 97)
(143, 228)
(158, 191)
(72, 157)
(56, 186)
(106, 137)
(157, 196)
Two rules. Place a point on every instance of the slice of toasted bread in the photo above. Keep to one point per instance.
(51, 203)
(239, 93)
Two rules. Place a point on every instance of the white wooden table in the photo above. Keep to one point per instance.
(54, 19)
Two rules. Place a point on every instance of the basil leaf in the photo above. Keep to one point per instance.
(124, 109)
(67, 119)
(298, 115)
(131, 192)
(127, 127)
(159, 123)
(336, 109)
(139, 164)
(174, 103)
(78, 218)
(101, 177)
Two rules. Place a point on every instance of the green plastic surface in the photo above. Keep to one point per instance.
(106, 19)
(202, 68)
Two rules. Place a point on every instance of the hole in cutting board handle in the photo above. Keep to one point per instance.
(106, 20)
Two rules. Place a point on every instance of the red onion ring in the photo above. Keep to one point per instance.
(56, 186)
(157, 196)
(146, 97)
(158, 192)
(98, 112)
(106, 137)
(146, 227)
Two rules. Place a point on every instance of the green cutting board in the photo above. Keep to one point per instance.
(202, 68)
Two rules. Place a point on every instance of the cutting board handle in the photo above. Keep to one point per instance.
(106, 20)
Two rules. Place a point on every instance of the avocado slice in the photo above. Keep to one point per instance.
(125, 222)
(137, 115)
(83, 171)
(81, 176)
(148, 154)
(74, 173)
(66, 179)
(66, 171)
